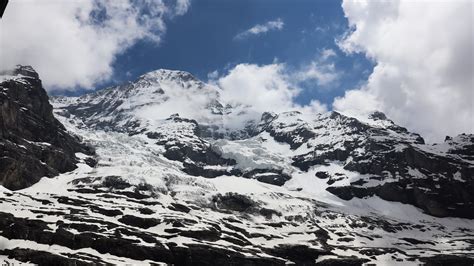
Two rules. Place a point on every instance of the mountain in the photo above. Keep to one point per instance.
(140, 106)
(183, 177)
(392, 163)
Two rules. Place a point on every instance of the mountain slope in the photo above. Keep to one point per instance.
(200, 189)
(136, 208)
(394, 163)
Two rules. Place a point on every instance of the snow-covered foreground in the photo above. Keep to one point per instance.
(137, 207)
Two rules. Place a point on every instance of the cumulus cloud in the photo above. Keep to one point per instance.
(263, 88)
(261, 28)
(254, 89)
(321, 70)
(74, 43)
(423, 78)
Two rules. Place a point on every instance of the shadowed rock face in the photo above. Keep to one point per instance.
(434, 188)
(436, 178)
(34, 144)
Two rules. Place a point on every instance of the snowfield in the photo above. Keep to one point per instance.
(138, 160)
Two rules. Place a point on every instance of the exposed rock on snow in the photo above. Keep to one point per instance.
(194, 188)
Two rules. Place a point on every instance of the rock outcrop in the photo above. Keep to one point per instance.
(33, 143)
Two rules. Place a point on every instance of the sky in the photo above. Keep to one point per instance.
(412, 60)
(209, 37)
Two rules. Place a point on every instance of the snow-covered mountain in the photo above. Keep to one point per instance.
(180, 176)
(142, 105)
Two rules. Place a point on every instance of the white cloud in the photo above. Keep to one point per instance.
(327, 53)
(321, 70)
(263, 88)
(423, 51)
(74, 43)
(262, 28)
(323, 74)
(211, 76)
(266, 87)
(182, 6)
(249, 89)
(253, 89)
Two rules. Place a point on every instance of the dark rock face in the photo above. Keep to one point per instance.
(349, 192)
(234, 202)
(140, 222)
(300, 254)
(46, 258)
(322, 175)
(435, 178)
(33, 143)
(270, 176)
(183, 143)
(295, 138)
(433, 189)
(462, 145)
(343, 262)
(453, 260)
(378, 116)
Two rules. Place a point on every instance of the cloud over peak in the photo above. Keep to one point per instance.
(264, 88)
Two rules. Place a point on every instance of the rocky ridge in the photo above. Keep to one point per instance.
(33, 143)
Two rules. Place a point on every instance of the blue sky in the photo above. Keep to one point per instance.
(204, 40)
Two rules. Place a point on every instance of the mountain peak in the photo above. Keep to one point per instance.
(19, 71)
(168, 74)
(157, 77)
(377, 115)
